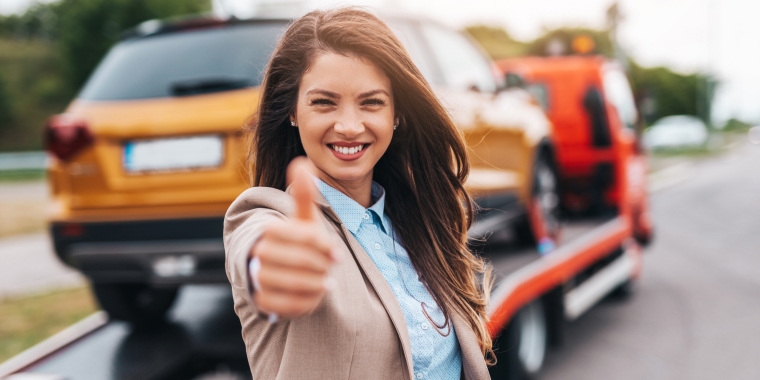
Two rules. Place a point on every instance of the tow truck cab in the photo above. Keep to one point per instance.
(590, 103)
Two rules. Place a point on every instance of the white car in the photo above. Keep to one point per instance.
(678, 131)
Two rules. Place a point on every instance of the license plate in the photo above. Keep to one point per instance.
(174, 154)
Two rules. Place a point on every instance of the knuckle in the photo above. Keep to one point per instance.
(262, 300)
(262, 247)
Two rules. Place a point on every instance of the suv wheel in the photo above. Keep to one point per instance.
(545, 207)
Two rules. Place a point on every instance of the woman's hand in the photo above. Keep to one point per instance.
(295, 255)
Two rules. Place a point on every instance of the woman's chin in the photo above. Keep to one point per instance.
(349, 176)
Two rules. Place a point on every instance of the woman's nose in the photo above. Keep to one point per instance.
(349, 124)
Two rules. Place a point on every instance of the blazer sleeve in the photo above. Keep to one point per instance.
(246, 219)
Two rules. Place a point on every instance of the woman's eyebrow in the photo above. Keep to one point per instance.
(329, 94)
(374, 92)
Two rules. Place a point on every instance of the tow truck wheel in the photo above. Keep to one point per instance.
(625, 290)
(521, 348)
(532, 339)
(139, 304)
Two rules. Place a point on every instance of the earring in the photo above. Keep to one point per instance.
(395, 125)
(292, 123)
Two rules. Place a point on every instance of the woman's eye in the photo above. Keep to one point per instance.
(322, 101)
(374, 102)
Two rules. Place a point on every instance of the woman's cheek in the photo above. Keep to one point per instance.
(312, 136)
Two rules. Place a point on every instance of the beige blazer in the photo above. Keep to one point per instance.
(358, 331)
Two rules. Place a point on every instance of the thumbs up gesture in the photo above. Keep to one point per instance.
(295, 255)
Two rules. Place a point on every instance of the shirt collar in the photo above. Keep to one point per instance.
(350, 212)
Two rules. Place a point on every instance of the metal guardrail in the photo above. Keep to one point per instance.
(23, 161)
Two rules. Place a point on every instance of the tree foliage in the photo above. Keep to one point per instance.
(6, 110)
(47, 53)
(88, 28)
(496, 41)
(672, 93)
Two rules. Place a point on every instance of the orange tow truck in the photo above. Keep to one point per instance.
(603, 195)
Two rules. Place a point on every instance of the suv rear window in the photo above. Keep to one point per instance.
(185, 63)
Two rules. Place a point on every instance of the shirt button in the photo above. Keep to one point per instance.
(420, 375)
(366, 216)
(377, 246)
(425, 326)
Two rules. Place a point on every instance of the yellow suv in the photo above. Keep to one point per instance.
(151, 153)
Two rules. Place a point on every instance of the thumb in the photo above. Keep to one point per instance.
(299, 176)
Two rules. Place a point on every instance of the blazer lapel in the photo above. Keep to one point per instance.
(378, 281)
(384, 292)
(473, 363)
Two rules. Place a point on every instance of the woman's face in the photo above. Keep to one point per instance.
(345, 117)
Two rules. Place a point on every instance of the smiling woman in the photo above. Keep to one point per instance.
(377, 280)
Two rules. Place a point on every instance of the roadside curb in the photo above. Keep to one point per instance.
(56, 342)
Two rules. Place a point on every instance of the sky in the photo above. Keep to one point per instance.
(715, 36)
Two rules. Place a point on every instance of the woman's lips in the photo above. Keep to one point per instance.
(348, 151)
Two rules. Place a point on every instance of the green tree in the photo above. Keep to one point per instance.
(39, 21)
(48, 52)
(673, 93)
(88, 28)
(496, 41)
(6, 107)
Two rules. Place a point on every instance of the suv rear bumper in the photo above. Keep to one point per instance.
(159, 252)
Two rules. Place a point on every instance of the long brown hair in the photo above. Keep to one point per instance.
(422, 171)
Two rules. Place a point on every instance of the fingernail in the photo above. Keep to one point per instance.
(330, 283)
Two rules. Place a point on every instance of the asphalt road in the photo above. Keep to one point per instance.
(696, 313)
(28, 265)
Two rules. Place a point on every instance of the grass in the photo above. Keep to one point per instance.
(718, 142)
(26, 321)
(22, 175)
(684, 152)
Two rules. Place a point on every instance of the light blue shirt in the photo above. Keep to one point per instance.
(435, 356)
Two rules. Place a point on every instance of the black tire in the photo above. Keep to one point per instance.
(521, 348)
(139, 304)
(545, 190)
(624, 291)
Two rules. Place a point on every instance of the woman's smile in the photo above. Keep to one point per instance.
(348, 151)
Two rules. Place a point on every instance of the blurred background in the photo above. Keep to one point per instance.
(694, 72)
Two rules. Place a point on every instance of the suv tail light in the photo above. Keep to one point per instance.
(66, 135)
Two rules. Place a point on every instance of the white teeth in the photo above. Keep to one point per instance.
(347, 150)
